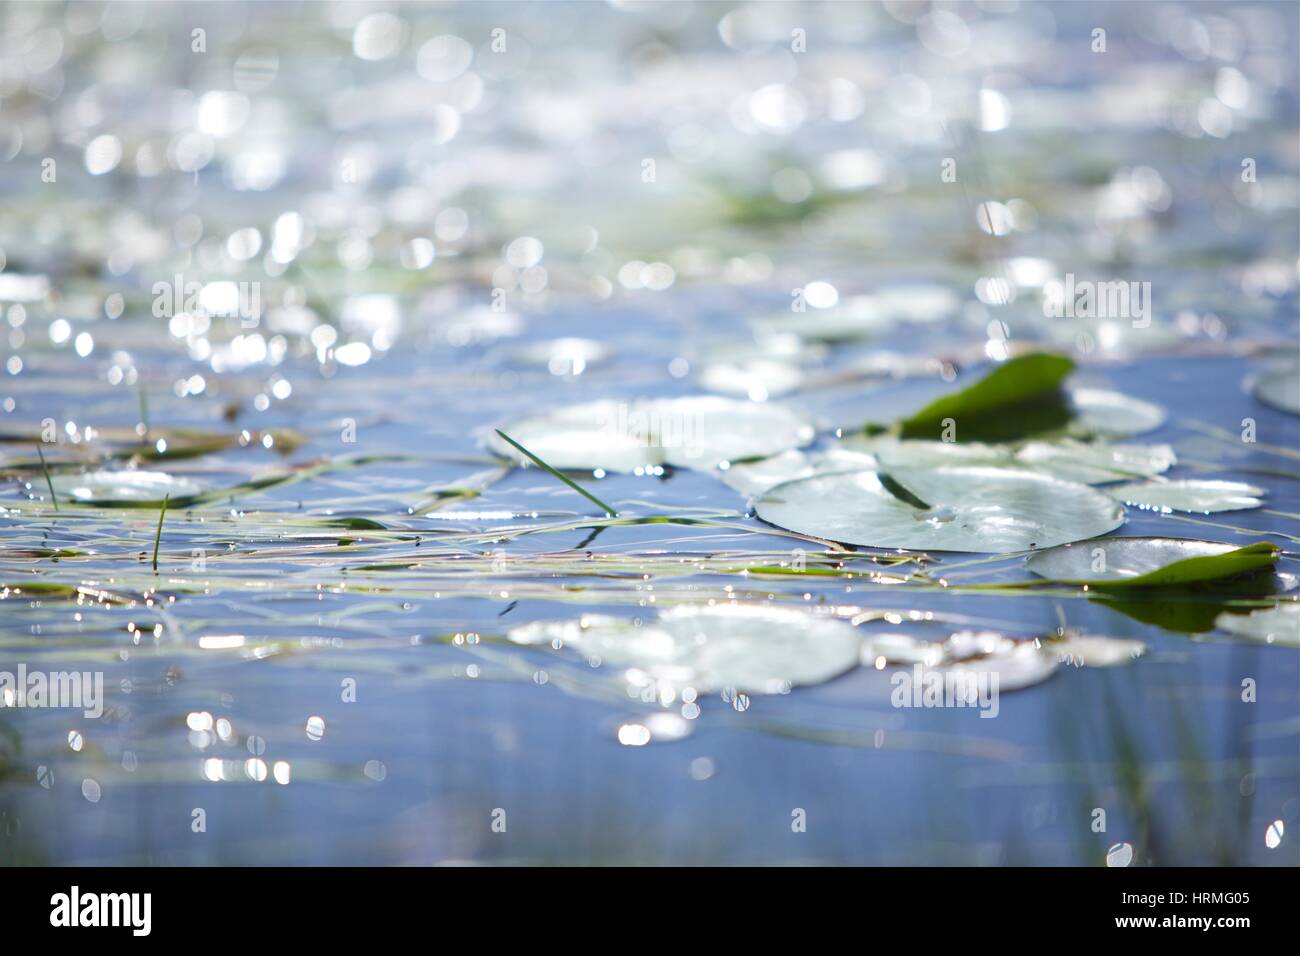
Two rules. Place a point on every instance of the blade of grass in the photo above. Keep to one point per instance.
(158, 535)
(48, 483)
(568, 481)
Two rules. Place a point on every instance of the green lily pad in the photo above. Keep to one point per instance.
(1280, 389)
(696, 432)
(1149, 562)
(1201, 497)
(755, 649)
(132, 489)
(1273, 625)
(1020, 397)
(979, 509)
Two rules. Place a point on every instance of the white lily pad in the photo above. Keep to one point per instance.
(1273, 625)
(123, 487)
(980, 509)
(696, 432)
(1096, 463)
(757, 379)
(1113, 414)
(1201, 497)
(754, 478)
(1090, 463)
(1091, 650)
(1280, 389)
(971, 654)
(755, 649)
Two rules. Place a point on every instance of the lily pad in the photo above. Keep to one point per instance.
(1280, 389)
(1273, 625)
(1149, 562)
(1091, 463)
(980, 509)
(131, 489)
(1017, 664)
(755, 649)
(756, 477)
(1201, 497)
(1091, 650)
(1020, 397)
(1112, 414)
(1096, 463)
(757, 379)
(696, 432)
(857, 317)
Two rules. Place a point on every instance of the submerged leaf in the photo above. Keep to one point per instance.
(1149, 562)
(756, 649)
(994, 510)
(1020, 397)
(1202, 497)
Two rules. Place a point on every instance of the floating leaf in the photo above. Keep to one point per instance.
(1149, 562)
(697, 432)
(1113, 415)
(965, 654)
(125, 488)
(1202, 497)
(757, 379)
(756, 649)
(1020, 397)
(1280, 389)
(994, 510)
(1090, 650)
(1090, 463)
(1096, 463)
(754, 478)
(1273, 625)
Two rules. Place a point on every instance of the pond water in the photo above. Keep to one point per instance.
(305, 270)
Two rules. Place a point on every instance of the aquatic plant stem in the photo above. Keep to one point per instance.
(48, 483)
(157, 538)
(568, 481)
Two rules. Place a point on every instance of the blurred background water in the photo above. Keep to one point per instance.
(449, 215)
